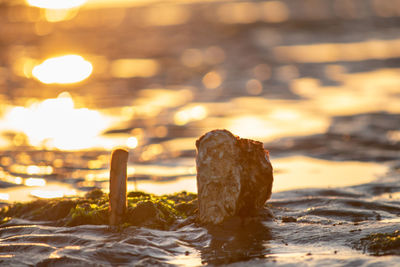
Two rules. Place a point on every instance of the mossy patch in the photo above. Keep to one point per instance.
(144, 209)
(380, 244)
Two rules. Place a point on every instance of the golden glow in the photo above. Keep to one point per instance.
(31, 169)
(39, 170)
(361, 92)
(96, 4)
(151, 152)
(186, 115)
(49, 190)
(18, 180)
(55, 15)
(268, 119)
(332, 52)
(166, 15)
(305, 87)
(250, 12)
(95, 164)
(56, 4)
(274, 11)
(63, 70)
(181, 117)
(23, 66)
(285, 118)
(212, 80)
(43, 193)
(56, 253)
(335, 72)
(161, 131)
(252, 127)
(180, 144)
(187, 184)
(393, 136)
(304, 172)
(35, 182)
(4, 196)
(6, 161)
(151, 102)
(56, 123)
(159, 170)
(132, 142)
(128, 68)
(243, 12)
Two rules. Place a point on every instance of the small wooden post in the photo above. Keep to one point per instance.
(118, 178)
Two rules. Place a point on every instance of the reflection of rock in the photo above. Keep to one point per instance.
(231, 242)
(234, 176)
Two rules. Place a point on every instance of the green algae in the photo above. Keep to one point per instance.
(159, 212)
(380, 244)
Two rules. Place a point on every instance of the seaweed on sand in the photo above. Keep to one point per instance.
(148, 210)
(379, 244)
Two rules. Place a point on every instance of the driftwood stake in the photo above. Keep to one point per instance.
(118, 178)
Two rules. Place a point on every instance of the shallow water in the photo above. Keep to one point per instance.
(316, 81)
(327, 225)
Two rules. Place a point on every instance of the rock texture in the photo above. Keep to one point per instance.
(234, 176)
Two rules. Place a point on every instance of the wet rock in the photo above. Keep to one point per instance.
(287, 219)
(234, 176)
(144, 210)
(96, 193)
(380, 244)
(145, 213)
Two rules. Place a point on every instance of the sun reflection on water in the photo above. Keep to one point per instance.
(31, 169)
(297, 172)
(56, 123)
(4, 196)
(35, 182)
(56, 4)
(57, 10)
(282, 118)
(129, 67)
(43, 193)
(333, 52)
(195, 113)
(42, 190)
(63, 70)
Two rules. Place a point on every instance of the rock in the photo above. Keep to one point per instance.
(380, 244)
(234, 176)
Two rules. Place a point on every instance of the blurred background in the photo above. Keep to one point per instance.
(318, 81)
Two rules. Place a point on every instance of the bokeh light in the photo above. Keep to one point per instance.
(128, 68)
(57, 123)
(56, 4)
(63, 70)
